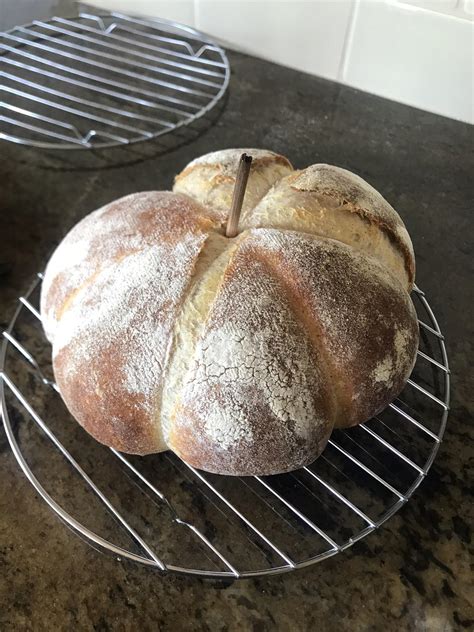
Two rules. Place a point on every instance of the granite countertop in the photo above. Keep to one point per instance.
(413, 573)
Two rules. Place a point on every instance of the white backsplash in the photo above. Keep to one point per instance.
(418, 52)
(413, 55)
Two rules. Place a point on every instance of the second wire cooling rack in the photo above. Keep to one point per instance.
(105, 80)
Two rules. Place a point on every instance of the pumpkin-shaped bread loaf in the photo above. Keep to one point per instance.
(239, 354)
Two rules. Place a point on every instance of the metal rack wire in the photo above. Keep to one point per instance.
(101, 81)
(172, 517)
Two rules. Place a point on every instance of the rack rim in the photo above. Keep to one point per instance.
(232, 573)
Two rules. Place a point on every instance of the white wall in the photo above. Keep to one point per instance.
(418, 52)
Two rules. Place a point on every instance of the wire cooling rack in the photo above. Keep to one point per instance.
(158, 511)
(101, 81)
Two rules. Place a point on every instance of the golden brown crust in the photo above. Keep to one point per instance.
(127, 225)
(357, 196)
(330, 202)
(112, 415)
(361, 317)
(210, 178)
(225, 161)
(111, 339)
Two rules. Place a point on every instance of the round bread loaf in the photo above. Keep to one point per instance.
(240, 355)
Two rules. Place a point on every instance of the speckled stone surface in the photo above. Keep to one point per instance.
(412, 574)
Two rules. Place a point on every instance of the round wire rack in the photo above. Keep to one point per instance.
(105, 80)
(165, 514)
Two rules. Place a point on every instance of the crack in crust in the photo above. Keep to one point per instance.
(196, 303)
(357, 196)
(255, 399)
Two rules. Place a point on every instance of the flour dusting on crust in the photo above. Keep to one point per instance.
(388, 370)
(110, 343)
(234, 358)
(118, 229)
(366, 322)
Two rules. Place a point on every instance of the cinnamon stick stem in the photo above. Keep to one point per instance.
(238, 195)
